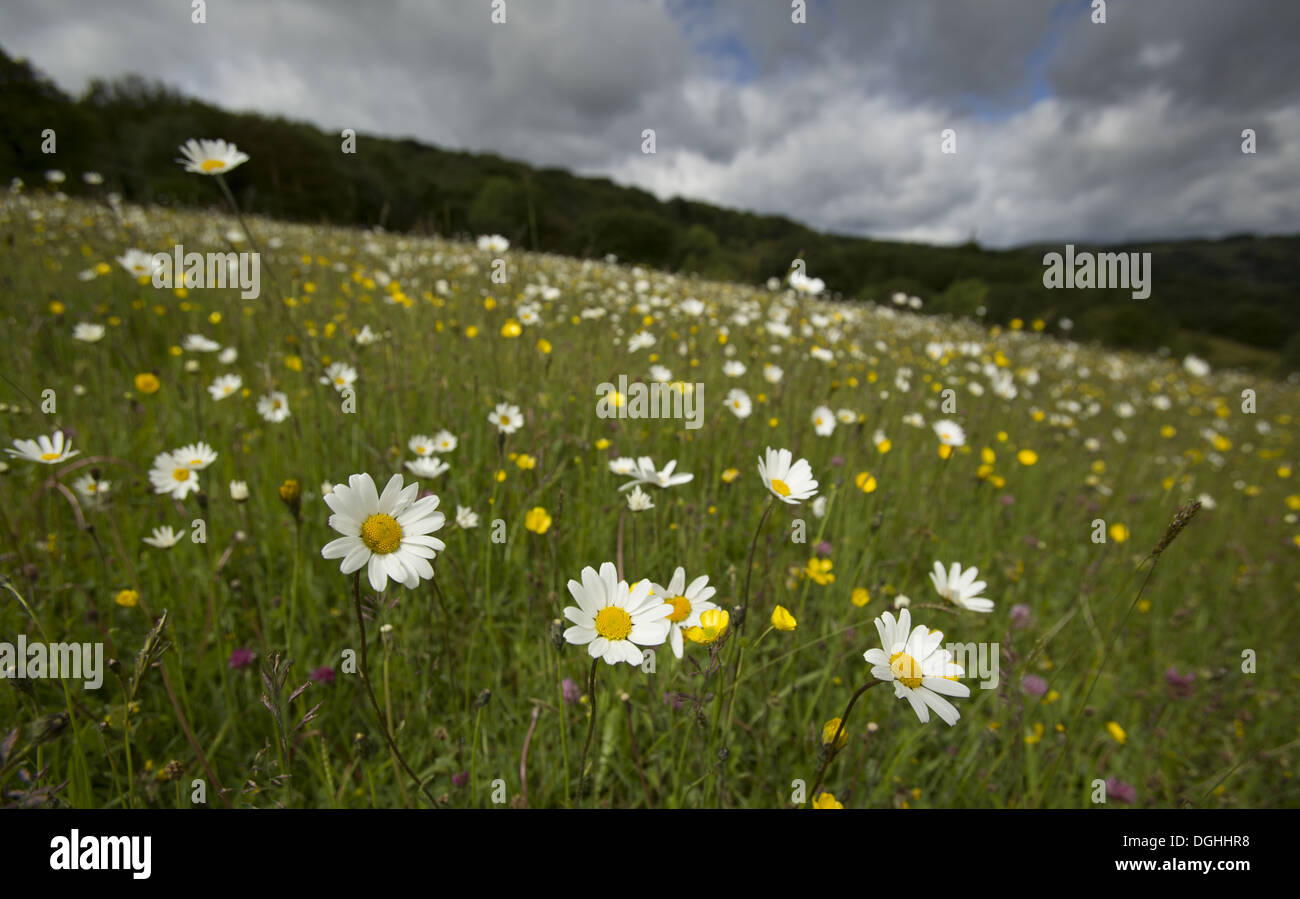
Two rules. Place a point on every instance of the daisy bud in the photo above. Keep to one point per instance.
(557, 634)
(482, 699)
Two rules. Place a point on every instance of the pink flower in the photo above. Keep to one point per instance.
(241, 658)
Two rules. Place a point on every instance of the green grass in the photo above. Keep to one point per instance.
(1227, 584)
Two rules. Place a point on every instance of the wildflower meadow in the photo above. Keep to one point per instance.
(361, 519)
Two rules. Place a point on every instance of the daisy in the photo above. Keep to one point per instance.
(506, 417)
(87, 333)
(224, 386)
(623, 465)
(493, 243)
(425, 467)
(47, 450)
(950, 433)
(640, 341)
(197, 343)
(420, 445)
(660, 374)
(172, 476)
(365, 337)
(960, 587)
(846, 416)
(138, 262)
(614, 620)
(339, 375)
(274, 407)
(638, 500)
(733, 368)
(688, 601)
(163, 537)
(91, 487)
(790, 482)
(228, 355)
(388, 533)
(739, 403)
(210, 157)
(196, 456)
(646, 473)
(466, 517)
(239, 491)
(772, 373)
(444, 442)
(921, 671)
(823, 420)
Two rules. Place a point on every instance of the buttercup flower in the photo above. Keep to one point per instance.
(688, 602)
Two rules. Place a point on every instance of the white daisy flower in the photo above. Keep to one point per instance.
(789, 481)
(688, 601)
(466, 517)
(623, 465)
(197, 343)
(493, 243)
(733, 368)
(195, 456)
(87, 333)
(507, 418)
(638, 500)
(388, 533)
(420, 445)
(274, 407)
(444, 442)
(823, 420)
(163, 537)
(91, 487)
(960, 587)
(224, 386)
(846, 416)
(920, 670)
(238, 491)
(614, 620)
(228, 355)
(739, 403)
(339, 375)
(646, 473)
(640, 341)
(138, 262)
(46, 450)
(773, 373)
(173, 476)
(427, 467)
(950, 433)
(660, 374)
(365, 337)
(210, 157)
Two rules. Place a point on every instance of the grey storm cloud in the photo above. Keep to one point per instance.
(1066, 129)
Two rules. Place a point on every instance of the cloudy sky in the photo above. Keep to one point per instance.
(1065, 129)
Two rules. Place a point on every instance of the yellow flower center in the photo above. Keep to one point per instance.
(613, 623)
(212, 165)
(381, 534)
(47, 457)
(780, 487)
(419, 451)
(681, 608)
(906, 669)
(340, 380)
(505, 420)
(181, 474)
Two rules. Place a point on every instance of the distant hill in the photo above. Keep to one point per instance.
(1233, 299)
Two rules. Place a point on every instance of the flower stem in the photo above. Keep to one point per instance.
(591, 728)
(844, 720)
(374, 703)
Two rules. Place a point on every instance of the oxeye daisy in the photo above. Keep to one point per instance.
(789, 481)
(46, 450)
(739, 403)
(960, 587)
(921, 671)
(173, 476)
(688, 601)
(163, 537)
(195, 456)
(506, 417)
(224, 386)
(388, 533)
(91, 487)
(138, 262)
(466, 517)
(638, 500)
(444, 442)
(420, 445)
(87, 333)
(426, 467)
(646, 473)
(614, 621)
(197, 343)
(823, 420)
(339, 375)
(210, 157)
(274, 407)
